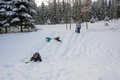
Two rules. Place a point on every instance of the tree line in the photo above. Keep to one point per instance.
(63, 11)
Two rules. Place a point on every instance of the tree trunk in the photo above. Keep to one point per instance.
(6, 31)
(70, 23)
(86, 16)
(21, 26)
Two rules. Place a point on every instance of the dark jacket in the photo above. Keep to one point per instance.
(57, 39)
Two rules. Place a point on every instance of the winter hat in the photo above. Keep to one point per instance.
(58, 37)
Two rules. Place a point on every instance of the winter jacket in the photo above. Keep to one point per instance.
(58, 39)
(78, 26)
(35, 59)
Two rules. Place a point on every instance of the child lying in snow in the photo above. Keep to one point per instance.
(36, 57)
(58, 38)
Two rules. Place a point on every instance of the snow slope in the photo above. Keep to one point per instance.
(94, 54)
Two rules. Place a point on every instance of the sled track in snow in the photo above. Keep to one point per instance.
(65, 59)
(39, 46)
(68, 44)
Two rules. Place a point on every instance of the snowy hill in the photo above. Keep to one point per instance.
(94, 54)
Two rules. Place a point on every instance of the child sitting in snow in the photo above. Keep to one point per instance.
(36, 57)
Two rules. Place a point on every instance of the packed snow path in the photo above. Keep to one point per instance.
(91, 55)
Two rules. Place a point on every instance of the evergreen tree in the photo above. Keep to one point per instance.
(52, 13)
(59, 12)
(33, 10)
(117, 8)
(6, 13)
(118, 12)
(63, 11)
(22, 16)
(2, 13)
(43, 13)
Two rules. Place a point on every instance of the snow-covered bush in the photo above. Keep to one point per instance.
(96, 19)
(48, 22)
(92, 20)
(106, 18)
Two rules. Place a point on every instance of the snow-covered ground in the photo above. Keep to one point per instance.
(94, 54)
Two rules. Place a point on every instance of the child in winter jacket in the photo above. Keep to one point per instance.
(78, 26)
(36, 57)
(58, 38)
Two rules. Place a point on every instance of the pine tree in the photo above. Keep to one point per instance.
(43, 13)
(22, 16)
(6, 12)
(54, 12)
(33, 10)
(59, 12)
(2, 12)
(118, 8)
